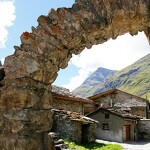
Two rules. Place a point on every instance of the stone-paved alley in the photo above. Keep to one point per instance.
(139, 145)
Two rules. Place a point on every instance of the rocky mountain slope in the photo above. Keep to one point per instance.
(134, 79)
(93, 80)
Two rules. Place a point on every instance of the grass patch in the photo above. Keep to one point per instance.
(93, 146)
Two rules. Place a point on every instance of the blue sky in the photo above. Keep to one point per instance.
(18, 16)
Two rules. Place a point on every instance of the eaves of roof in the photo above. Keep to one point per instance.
(114, 91)
(74, 99)
(119, 113)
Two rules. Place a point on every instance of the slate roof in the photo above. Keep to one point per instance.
(131, 103)
(102, 94)
(123, 113)
(115, 91)
(62, 91)
(116, 111)
(65, 94)
(74, 116)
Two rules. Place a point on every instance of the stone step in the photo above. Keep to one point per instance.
(60, 146)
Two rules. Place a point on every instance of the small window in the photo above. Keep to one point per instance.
(106, 116)
(105, 126)
(97, 105)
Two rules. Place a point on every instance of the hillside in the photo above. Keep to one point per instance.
(93, 80)
(134, 79)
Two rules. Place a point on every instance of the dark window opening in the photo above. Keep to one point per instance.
(106, 116)
(128, 111)
(97, 105)
(105, 126)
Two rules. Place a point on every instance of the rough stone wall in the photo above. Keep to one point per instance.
(144, 129)
(89, 108)
(25, 98)
(67, 129)
(67, 105)
(25, 109)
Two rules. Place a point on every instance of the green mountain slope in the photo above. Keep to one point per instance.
(93, 80)
(134, 79)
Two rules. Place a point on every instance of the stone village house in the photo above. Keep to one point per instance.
(73, 126)
(66, 100)
(117, 105)
(130, 111)
(68, 120)
(119, 99)
(115, 125)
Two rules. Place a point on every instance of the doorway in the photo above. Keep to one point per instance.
(128, 132)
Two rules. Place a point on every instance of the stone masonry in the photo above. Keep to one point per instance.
(25, 92)
(144, 129)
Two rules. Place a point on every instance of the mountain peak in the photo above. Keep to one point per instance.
(133, 79)
(94, 79)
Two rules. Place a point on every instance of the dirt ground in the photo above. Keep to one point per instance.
(138, 145)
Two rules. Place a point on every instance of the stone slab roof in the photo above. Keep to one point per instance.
(74, 116)
(65, 94)
(102, 94)
(62, 91)
(116, 111)
(123, 113)
(131, 103)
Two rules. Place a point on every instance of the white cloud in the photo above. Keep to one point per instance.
(7, 16)
(114, 54)
(2, 60)
(77, 80)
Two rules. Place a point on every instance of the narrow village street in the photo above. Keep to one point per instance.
(140, 145)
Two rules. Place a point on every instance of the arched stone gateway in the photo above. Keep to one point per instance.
(25, 98)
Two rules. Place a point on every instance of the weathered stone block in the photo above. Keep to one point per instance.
(17, 99)
(13, 141)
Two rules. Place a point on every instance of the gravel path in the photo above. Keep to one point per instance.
(138, 145)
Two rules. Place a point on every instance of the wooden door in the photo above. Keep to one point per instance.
(128, 135)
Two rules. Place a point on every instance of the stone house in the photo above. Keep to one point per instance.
(115, 125)
(66, 100)
(73, 126)
(119, 99)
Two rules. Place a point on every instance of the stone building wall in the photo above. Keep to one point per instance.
(116, 131)
(67, 129)
(68, 105)
(73, 126)
(144, 129)
(89, 108)
(124, 100)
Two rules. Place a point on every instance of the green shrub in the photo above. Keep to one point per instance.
(93, 146)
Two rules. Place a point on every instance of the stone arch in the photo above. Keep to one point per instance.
(25, 98)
